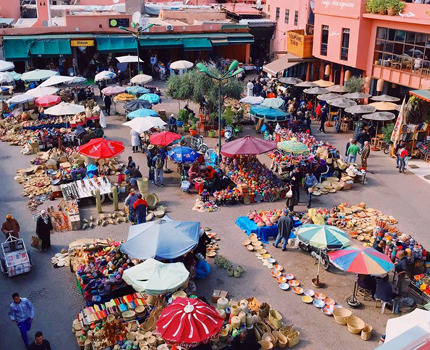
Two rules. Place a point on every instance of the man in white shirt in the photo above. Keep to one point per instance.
(250, 87)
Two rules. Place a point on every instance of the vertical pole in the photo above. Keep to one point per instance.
(219, 122)
(138, 51)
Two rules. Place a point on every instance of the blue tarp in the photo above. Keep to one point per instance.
(162, 239)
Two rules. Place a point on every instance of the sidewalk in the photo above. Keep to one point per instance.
(420, 168)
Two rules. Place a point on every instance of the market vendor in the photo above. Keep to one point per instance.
(194, 172)
(44, 229)
(310, 182)
(135, 175)
(384, 292)
(204, 240)
(129, 202)
(10, 227)
(245, 341)
(401, 268)
(140, 207)
(367, 282)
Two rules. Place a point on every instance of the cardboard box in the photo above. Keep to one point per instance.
(215, 295)
(223, 294)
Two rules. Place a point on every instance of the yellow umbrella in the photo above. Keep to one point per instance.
(323, 83)
(124, 97)
(384, 106)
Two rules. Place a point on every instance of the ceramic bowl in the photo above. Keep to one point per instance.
(307, 299)
(319, 303)
(284, 286)
(278, 267)
(270, 266)
(261, 251)
(329, 301)
(266, 256)
(309, 292)
(271, 260)
(294, 283)
(327, 310)
(281, 279)
(259, 256)
(298, 290)
(289, 276)
(320, 296)
(276, 273)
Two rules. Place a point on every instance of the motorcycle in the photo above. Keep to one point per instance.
(228, 133)
(198, 143)
(318, 254)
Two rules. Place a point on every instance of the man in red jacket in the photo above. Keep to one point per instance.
(140, 207)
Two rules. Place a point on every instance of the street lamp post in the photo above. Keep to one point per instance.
(232, 71)
(136, 34)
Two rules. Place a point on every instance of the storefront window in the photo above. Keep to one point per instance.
(296, 18)
(345, 44)
(278, 12)
(287, 16)
(324, 40)
(382, 33)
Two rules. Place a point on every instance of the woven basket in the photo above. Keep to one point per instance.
(366, 333)
(355, 324)
(341, 315)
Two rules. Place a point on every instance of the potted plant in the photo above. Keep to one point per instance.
(394, 7)
(193, 130)
(212, 133)
(182, 117)
(186, 127)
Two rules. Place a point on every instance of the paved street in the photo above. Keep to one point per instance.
(57, 300)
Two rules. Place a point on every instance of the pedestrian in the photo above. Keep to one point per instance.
(10, 228)
(403, 155)
(135, 140)
(291, 200)
(39, 343)
(365, 152)
(250, 88)
(308, 123)
(140, 207)
(172, 124)
(129, 202)
(131, 164)
(352, 152)
(44, 229)
(363, 137)
(396, 151)
(149, 158)
(323, 119)
(108, 102)
(349, 143)
(204, 241)
(285, 226)
(310, 182)
(401, 266)
(21, 312)
(296, 179)
(158, 164)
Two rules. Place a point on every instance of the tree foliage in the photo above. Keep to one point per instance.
(192, 85)
(354, 84)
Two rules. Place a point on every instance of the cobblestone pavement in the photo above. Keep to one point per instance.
(57, 300)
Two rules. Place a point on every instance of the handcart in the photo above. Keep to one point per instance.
(16, 259)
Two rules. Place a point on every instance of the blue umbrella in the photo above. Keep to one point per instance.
(184, 155)
(134, 90)
(162, 239)
(271, 114)
(143, 112)
(153, 98)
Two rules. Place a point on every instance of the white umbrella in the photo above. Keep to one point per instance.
(144, 124)
(38, 74)
(141, 79)
(77, 80)
(273, 102)
(104, 75)
(42, 91)
(399, 325)
(181, 65)
(15, 75)
(252, 100)
(5, 77)
(154, 277)
(65, 109)
(128, 59)
(385, 98)
(56, 79)
(20, 99)
(4, 65)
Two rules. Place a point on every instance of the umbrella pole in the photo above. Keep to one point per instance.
(318, 271)
(352, 300)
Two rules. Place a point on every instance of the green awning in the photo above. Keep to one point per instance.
(219, 41)
(241, 40)
(51, 48)
(196, 44)
(168, 44)
(116, 44)
(16, 49)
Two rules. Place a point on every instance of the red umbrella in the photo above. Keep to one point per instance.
(101, 148)
(164, 138)
(247, 146)
(189, 322)
(48, 100)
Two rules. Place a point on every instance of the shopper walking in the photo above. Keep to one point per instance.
(44, 229)
(365, 152)
(349, 143)
(21, 312)
(108, 102)
(296, 179)
(352, 152)
(285, 226)
(129, 202)
(401, 144)
(158, 163)
(403, 155)
(324, 115)
(149, 158)
(135, 140)
(39, 343)
(310, 182)
(250, 88)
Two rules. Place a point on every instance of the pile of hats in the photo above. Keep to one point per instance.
(203, 207)
(331, 185)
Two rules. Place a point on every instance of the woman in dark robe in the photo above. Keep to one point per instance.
(44, 229)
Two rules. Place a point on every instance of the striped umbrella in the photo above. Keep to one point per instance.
(293, 147)
(361, 260)
(323, 236)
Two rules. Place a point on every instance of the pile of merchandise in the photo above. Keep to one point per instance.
(265, 218)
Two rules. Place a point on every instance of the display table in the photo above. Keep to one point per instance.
(263, 233)
(86, 188)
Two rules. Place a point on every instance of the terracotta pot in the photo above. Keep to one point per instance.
(391, 12)
(193, 132)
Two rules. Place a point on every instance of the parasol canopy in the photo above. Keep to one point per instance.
(38, 74)
(385, 98)
(48, 100)
(134, 90)
(101, 148)
(359, 109)
(42, 91)
(357, 95)
(181, 65)
(104, 75)
(4, 65)
(141, 79)
(323, 83)
(164, 138)
(113, 90)
(290, 80)
(15, 75)
(316, 91)
(124, 97)
(341, 102)
(273, 102)
(161, 239)
(247, 145)
(361, 260)
(155, 278)
(65, 109)
(56, 79)
(135, 104)
(189, 322)
(337, 89)
(384, 106)
(252, 100)
(6, 77)
(380, 116)
(306, 84)
(329, 96)
(144, 124)
(271, 114)
(323, 236)
(128, 59)
(399, 325)
(152, 98)
(184, 155)
(21, 98)
(293, 147)
(77, 80)
(143, 112)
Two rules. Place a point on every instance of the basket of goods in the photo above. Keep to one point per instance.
(366, 333)
(355, 324)
(341, 315)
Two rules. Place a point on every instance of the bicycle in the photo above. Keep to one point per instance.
(386, 148)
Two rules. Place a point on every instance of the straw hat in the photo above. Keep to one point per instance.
(150, 146)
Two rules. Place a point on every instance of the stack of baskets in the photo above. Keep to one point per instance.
(355, 324)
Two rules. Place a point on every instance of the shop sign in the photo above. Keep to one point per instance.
(119, 22)
(81, 42)
(299, 44)
(338, 3)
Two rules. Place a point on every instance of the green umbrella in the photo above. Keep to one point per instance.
(293, 147)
